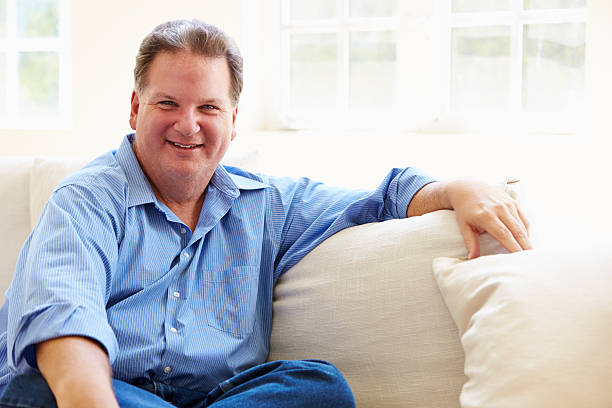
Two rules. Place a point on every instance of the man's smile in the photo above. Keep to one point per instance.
(185, 146)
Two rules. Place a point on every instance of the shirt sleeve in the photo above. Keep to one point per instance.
(311, 212)
(63, 277)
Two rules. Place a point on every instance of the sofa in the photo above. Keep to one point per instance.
(397, 308)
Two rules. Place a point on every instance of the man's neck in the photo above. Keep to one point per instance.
(184, 198)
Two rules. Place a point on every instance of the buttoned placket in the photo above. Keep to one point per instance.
(175, 296)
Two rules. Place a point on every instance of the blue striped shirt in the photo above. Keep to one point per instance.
(110, 262)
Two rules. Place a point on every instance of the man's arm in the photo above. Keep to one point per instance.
(78, 372)
(479, 208)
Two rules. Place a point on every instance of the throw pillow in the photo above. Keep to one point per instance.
(535, 326)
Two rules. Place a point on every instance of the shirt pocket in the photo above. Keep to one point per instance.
(231, 299)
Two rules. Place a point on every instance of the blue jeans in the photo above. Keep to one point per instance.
(306, 383)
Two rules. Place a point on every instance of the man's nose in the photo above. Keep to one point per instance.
(187, 124)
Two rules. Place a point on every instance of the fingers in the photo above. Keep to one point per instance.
(524, 219)
(470, 237)
(516, 226)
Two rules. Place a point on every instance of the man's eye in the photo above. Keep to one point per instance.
(208, 107)
(168, 103)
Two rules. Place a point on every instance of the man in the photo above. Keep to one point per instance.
(149, 278)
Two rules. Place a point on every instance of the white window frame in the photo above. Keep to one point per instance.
(341, 26)
(11, 45)
(442, 22)
(515, 118)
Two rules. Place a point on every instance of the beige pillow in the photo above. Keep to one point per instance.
(535, 326)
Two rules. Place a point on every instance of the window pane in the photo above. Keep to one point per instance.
(38, 81)
(2, 18)
(480, 70)
(467, 6)
(37, 18)
(553, 67)
(2, 82)
(312, 9)
(313, 71)
(369, 8)
(554, 4)
(371, 70)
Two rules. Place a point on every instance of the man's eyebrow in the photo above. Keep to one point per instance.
(211, 101)
(160, 95)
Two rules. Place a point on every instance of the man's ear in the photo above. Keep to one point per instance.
(135, 104)
(234, 114)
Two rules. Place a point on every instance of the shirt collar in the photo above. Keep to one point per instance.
(231, 184)
(139, 188)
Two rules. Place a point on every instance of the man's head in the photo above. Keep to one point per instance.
(184, 106)
(195, 37)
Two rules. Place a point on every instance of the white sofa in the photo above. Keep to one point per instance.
(366, 299)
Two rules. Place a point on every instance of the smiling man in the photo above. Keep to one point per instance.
(149, 279)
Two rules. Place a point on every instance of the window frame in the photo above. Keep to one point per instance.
(441, 119)
(11, 45)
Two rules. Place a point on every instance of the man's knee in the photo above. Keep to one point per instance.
(28, 390)
(325, 383)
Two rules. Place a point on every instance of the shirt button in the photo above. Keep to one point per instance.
(186, 254)
(167, 369)
(183, 231)
(176, 294)
(173, 330)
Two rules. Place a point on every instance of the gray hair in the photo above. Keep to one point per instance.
(194, 36)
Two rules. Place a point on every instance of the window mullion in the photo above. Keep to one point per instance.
(65, 66)
(12, 87)
(516, 58)
(443, 14)
(342, 69)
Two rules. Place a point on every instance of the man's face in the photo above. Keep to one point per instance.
(184, 118)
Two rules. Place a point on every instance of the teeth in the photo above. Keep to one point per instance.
(184, 146)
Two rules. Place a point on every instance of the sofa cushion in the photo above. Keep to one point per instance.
(366, 300)
(536, 327)
(14, 213)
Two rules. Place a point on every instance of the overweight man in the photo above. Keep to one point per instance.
(148, 281)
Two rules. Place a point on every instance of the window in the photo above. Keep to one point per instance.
(419, 64)
(35, 62)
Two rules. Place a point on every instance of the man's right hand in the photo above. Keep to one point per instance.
(78, 372)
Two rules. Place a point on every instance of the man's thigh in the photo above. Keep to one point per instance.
(32, 391)
(305, 383)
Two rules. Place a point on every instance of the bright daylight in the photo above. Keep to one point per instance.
(305, 203)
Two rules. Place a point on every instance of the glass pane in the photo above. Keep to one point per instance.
(313, 71)
(553, 67)
(371, 70)
(38, 81)
(2, 82)
(553, 4)
(369, 8)
(473, 6)
(37, 18)
(312, 9)
(480, 70)
(2, 18)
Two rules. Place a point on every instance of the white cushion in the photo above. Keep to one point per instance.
(14, 214)
(536, 327)
(366, 300)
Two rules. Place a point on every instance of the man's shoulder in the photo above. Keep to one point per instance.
(102, 175)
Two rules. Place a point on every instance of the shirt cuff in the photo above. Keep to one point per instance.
(58, 321)
(407, 184)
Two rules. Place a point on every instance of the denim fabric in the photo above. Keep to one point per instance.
(307, 383)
